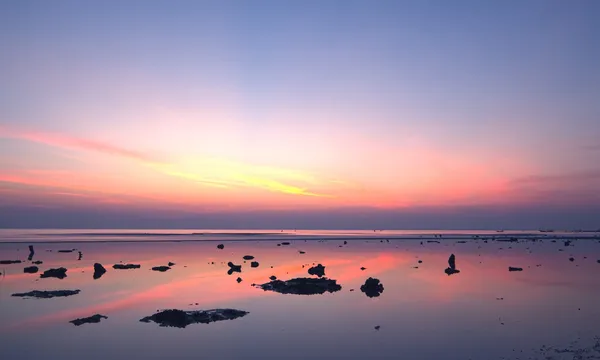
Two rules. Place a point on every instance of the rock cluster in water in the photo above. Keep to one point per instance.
(88, 320)
(31, 270)
(318, 270)
(372, 287)
(233, 268)
(59, 273)
(302, 286)
(181, 319)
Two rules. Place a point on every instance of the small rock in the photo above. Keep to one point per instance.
(38, 262)
(372, 287)
(161, 268)
(318, 270)
(233, 268)
(88, 320)
(126, 266)
(8, 262)
(220, 246)
(66, 251)
(239, 280)
(254, 264)
(99, 270)
(181, 319)
(31, 270)
(59, 273)
(420, 261)
(248, 257)
(511, 268)
(302, 252)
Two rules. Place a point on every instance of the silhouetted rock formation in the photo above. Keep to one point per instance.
(94, 319)
(126, 266)
(8, 262)
(99, 270)
(372, 287)
(273, 277)
(511, 268)
(31, 253)
(220, 246)
(80, 255)
(285, 243)
(171, 263)
(433, 241)
(47, 294)
(248, 257)
(254, 264)
(239, 280)
(318, 270)
(37, 262)
(59, 273)
(302, 286)
(571, 259)
(31, 270)
(66, 251)
(181, 319)
(233, 268)
(161, 268)
(452, 266)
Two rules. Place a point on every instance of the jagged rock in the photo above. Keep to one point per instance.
(8, 262)
(161, 268)
(420, 261)
(31, 253)
(181, 319)
(80, 255)
(248, 257)
(254, 264)
(511, 268)
(318, 270)
(88, 320)
(452, 266)
(302, 286)
(372, 287)
(345, 242)
(433, 241)
(59, 273)
(99, 270)
(377, 327)
(220, 246)
(302, 252)
(126, 266)
(571, 259)
(233, 268)
(47, 294)
(31, 270)
(567, 242)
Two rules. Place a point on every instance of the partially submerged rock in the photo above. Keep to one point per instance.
(571, 259)
(233, 268)
(239, 279)
(318, 270)
(302, 252)
(94, 319)
(171, 263)
(512, 268)
(254, 264)
(220, 246)
(38, 262)
(273, 277)
(47, 294)
(31, 270)
(59, 273)
(363, 268)
(181, 319)
(161, 268)
(31, 253)
(285, 243)
(302, 286)
(126, 266)
(8, 262)
(99, 270)
(66, 251)
(451, 269)
(372, 287)
(248, 257)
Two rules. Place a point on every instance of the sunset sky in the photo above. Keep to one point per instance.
(272, 114)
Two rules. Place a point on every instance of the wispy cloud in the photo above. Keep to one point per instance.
(71, 142)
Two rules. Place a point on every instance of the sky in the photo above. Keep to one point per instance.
(313, 114)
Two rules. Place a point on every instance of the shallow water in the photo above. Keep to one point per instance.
(484, 312)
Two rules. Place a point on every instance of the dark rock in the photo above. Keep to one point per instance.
(80, 255)
(511, 268)
(318, 270)
(99, 270)
(171, 263)
(161, 268)
(302, 286)
(273, 277)
(94, 319)
(285, 243)
(420, 261)
(47, 294)
(59, 273)
(220, 246)
(433, 241)
(451, 269)
(126, 266)
(66, 251)
(31, 253)
(31, 270)
(567, 242)
(8, 262)
(254, 264)
(239, 280)
(233, 268)
(363, 268)
(302, 252)
(248, 257)
(37, 262)
(372, 287)
(571, 259)
(377, 327)
(181, 319)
